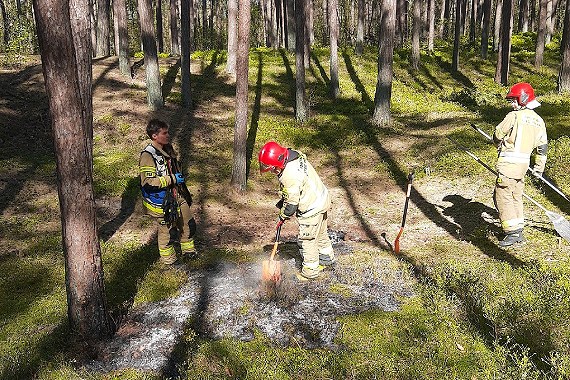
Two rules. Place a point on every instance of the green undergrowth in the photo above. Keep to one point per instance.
(479, 312)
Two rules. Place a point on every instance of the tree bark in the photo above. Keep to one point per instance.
(232, 36)
(383, 94)
(360, 28)
(103, 28)
(497, 29)
(457, 38)
(65, 46)
(308, 4)
(523, 15)
(154, 90)
(301, 112)
(121, 36)
(5, 22)
(416, 30)
(333, 30)
(291, 24)
(431, 25)
(504, 55)
(174, 28)
(564, 74)
(186, 13)
(239, 174)
(159, 27)
(485, 28)
(541, 34)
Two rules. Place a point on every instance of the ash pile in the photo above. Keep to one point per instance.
(229, 300)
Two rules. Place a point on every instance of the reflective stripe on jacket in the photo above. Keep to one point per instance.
(302, 186)
(519, 133)
(155, 178)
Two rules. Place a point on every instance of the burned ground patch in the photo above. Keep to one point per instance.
(230, 301)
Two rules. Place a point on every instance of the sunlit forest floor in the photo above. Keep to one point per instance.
(450, 305)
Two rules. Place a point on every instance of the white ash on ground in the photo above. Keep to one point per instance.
(229, 300)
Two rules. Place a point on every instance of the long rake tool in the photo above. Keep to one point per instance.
(561, 225)
(529, 169)
(397, 241)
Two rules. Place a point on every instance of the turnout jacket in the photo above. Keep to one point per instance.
(155, 177)
(302, 190)
(520, 132)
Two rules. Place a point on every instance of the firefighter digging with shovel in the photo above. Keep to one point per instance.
(303, 195)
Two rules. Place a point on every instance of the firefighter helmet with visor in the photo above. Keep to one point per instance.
(271, 156)
(522, 92)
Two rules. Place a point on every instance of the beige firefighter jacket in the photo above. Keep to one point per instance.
(519, 133)
(300, 185)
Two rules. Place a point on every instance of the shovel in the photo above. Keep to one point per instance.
(271, 269)
(561, 225)
(397, 241)
(529, 169)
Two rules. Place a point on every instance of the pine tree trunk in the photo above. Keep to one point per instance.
(174, 28)
(497, 29)
(541, 35)
(564, 74)
(121, 36)
(416, 29)
(383, 94)
(291, 24)
(457, 39)
(504, 55)
(360, 28)
(186, 23)
(66, 50)
(431, 24)
(154, 90)
(103, 28)
(239, 175)
(333, 28)
(301, 112)
(307, 32)
(232, 36)
(485, 28)
(5, 23)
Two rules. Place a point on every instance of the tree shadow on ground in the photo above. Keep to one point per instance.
(128, 203)
(169, 79)
(252, 132)
(357, 82)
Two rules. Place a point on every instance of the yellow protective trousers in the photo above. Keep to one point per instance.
(182, 232)
(508, 198)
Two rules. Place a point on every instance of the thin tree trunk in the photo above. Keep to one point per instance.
(174, 28)
(103, 28)
(431, 24)
(549, 21)
(497, 29)
(523, 15)
(5, 23)
(541, 35)
(473, 24)
(291, 24)
(239, 174)
(416, 29)
(446, 18)
(307, 4)
(333, 28)
(159, 28)
(504, 55)
(232, 36)
(360, 28)
(485, 28)
(456, 40)
(383, 94)
(65, 46)
(154, 90)
(186, 18)
(301, 112)
(121, 36)
(564, 74)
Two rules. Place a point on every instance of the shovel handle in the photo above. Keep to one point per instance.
(277, 235)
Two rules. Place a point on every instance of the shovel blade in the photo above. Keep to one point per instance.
(271, 270)
(561, 225)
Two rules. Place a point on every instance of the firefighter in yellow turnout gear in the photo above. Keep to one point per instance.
(517, 136)
(304, 195)
(162, 199)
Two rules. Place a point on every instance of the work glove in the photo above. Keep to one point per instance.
(179, 178)
(279, 204)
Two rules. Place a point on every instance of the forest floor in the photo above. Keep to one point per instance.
(218, 296)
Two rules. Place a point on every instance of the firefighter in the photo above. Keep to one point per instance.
(164, 193)
(304, 195)
(516, 137)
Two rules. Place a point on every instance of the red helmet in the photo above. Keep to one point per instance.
(522, 92)
(272, 155)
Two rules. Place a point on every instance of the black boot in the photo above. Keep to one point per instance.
(512, 238)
